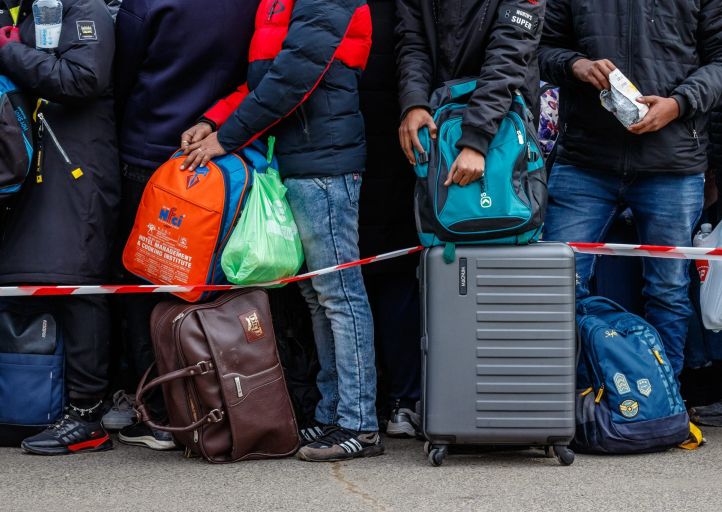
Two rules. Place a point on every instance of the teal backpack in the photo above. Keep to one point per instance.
(16, 139)
(507, 205)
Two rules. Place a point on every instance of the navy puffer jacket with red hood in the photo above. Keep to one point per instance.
(305, 61)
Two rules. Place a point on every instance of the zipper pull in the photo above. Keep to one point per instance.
(696, 137)
(658, 356)
(77, 172)
(40, 156)
(520, 137)
(178, 318)
(600, 393)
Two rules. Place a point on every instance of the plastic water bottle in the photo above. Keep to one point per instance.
(702, 265)
(48, 15)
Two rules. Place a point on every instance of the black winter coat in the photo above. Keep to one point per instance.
(60, 230)
(386, 212)
(670, 48)
(495, 40)
(166, 75)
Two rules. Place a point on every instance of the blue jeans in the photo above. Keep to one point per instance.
(326, 213)
(666, 208)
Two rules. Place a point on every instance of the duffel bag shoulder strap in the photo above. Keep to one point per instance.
(200, 368)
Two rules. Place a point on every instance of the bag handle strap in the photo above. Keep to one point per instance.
(596, 304)
(200, 368)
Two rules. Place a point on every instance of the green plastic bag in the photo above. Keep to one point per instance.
(265, 245)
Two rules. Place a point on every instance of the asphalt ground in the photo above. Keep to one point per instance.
(137, 479)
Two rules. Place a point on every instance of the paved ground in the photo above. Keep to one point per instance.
(140, 480)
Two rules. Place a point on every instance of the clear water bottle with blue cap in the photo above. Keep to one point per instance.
(48, 15)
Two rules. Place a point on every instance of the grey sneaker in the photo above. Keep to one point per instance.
(121, 414)
(141, 434)
(341, 444)
(403, 423)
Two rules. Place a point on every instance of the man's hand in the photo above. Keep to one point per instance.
(9, 34)
(200, 153)
(414, 120)
(469, 166)
(662, 111)
(195, 134)
(594, 72)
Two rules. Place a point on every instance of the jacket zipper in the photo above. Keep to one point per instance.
(304, 122)
(695, 135)
(630, 6)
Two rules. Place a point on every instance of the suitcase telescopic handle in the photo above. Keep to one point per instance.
(200, 368)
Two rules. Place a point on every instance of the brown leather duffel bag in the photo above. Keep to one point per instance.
(222, 380)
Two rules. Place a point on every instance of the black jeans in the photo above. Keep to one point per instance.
(85, 321)
(134, 310)
(394, 302)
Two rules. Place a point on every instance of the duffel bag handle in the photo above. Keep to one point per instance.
(200, 368)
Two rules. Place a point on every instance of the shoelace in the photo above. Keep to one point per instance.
(122, 400)
(335, 435)
(61, 422)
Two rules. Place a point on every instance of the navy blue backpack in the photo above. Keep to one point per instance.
(32, 392)
(16, 139)
(628, 399)
(507, 205)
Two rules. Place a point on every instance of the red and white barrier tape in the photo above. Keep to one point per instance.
(38, 291)
(654, 251)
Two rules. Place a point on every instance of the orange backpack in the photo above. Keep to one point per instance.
(186, 217)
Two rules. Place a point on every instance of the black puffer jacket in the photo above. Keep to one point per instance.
(495, 40)
(60, 230)
(670, 48)
(386, 212)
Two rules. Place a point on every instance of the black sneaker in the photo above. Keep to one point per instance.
(140, 434)
(341, 444)
(70, 434)
(403, 422)
(311, 433)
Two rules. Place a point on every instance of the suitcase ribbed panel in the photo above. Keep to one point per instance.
(516, 323)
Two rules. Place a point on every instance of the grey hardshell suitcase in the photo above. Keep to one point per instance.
(499, 348)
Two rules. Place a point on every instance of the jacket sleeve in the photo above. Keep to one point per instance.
(219, 113)
(81, 68)
(133, 37)
(413, 57)
(556, 48)
(511, 50)
(315, 32)
(702, 90)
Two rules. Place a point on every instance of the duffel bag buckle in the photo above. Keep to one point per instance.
(215, 416)
(204, 367)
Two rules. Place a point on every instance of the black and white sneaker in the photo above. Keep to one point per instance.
(339, 444)
(140, 434)
(311, 433)
(403, 422)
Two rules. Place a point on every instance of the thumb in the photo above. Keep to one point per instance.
(648, 100)
(432, 128)
(450, 177)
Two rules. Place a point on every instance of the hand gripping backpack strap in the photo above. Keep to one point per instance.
(200, 368)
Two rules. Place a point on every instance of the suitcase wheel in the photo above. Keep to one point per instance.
(427, 448)
(564, 455)
(437, 454)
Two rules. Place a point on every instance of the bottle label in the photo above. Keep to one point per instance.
(47, 36)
